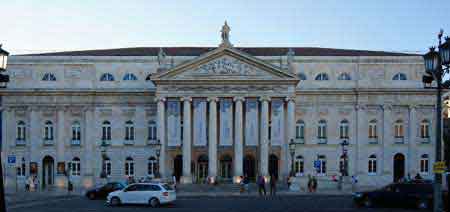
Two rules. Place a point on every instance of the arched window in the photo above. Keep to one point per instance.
(49, 77)
(48, 130)
(322, 169)
(373, 128)
(106, 167)
(75, 167)
(399, 76)
(424, 164)
(21, 131)
(344, 76)
(300, 130)
(425, 129)
(107, 77)
(301, 76)
(322, 77)
(152, 130)
(152, 166)
(129, 77)
(106, 131)
(21, 169)
(76, 131)
(322, 129)
(129, 167)
(343, 129)
(299, 167)
(372, 165)
(398, 129)
(129, 131)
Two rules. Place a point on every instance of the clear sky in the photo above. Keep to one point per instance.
(30, 26)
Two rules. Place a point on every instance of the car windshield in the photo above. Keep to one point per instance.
(167, 187)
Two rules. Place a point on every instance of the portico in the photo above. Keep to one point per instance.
(221, 107)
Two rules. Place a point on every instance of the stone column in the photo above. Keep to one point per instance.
(187, 118)
(264, 135)
(387, 135)
(212, 143)
(238, 138)
(361, 135)
(412, 144)
(35, 135)
(286, 160)
(60, 145)
(89, 143)
(161, 125)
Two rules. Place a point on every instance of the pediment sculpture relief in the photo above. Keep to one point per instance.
(226, 66)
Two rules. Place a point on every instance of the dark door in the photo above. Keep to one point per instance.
(399, 167)
(178, 167)
(249, 167)
(47, 171)
(273, 165)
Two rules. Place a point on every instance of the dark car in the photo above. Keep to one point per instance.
(418, 194)
(103, 191)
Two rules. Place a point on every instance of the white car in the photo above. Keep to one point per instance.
(152, 194)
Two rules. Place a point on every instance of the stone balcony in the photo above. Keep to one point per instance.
(21, 142)
(300, 140)
(321, 140)
(128, 142)
(49, 142)
(373, 140)
(75, 142)
(424, 140)
(399, 140)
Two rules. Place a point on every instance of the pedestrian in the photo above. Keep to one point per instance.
(261, 185)
(273, 185)
(418, 177)
(310, 184)
(246, 182)
(354, 182)
(35, 183)
(314, 184)
(289, 181)
(174, 181)
(408, 178)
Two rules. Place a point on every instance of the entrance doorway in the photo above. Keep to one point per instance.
(399, 167)
(178, 167)
(202, 168)
(250, 167)
(273, 165)
(226, 170)
(48, 165)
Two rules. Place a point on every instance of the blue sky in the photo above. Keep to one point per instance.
(391, 25)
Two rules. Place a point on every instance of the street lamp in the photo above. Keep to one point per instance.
(292, 151)
(157, 147)
(4, 79)
(343, 166)
(437, 64)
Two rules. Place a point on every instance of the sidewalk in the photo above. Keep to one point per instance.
(27, 197)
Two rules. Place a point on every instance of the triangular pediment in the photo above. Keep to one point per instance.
(225, 64)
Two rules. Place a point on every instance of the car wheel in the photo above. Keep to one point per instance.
(422, 204)
(367, 202)
(153, 202)
(115, 201)
(91, 196)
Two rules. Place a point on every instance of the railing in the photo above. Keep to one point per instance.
(300, 140)
(49, 142)
(128, 142)
(399, 140)
(321, 140)
(424, 140)
(373, 140)
(21, 142)
(75, 142)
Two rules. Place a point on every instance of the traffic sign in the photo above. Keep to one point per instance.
(11, 159)
(439, 167)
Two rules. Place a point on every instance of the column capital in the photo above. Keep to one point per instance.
(264, 98)
(413, 106)
(238, 99)
(160, 99)
(289, 99)
(386, 106)
(212, 99)
(186, 99)
(360, 107)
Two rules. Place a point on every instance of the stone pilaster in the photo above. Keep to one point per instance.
(286, 160)
(60, 145)
(212, 143)
(412, 144)
(187, 118)
(238, 137)
(161, 125)
(264, 137)
(89, 142)
(387, 139)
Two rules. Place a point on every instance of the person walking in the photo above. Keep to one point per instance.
(310, 184)
(314, 184)
(273, 185)
(246, 181)
(261, 185)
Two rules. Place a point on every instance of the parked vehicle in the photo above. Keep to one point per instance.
(102, 192)
(152, 194)
(417, 194)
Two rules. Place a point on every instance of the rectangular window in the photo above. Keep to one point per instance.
(424, 166)
(372, 169)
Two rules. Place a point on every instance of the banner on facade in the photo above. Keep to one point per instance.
(173, 123)
(277, 133)
(199, 122)
(226, 122)
(251, 122)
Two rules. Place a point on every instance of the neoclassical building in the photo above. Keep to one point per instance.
(220, 112)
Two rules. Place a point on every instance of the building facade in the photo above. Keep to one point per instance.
(217, 112)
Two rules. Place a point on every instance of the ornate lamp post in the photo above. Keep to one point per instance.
(437, 64)
(292, 145)
(4, 79)
(157, 147)
(103, 147)
(343, 169)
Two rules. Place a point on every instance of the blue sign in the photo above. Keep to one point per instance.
(11, 159)
(317, 164)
